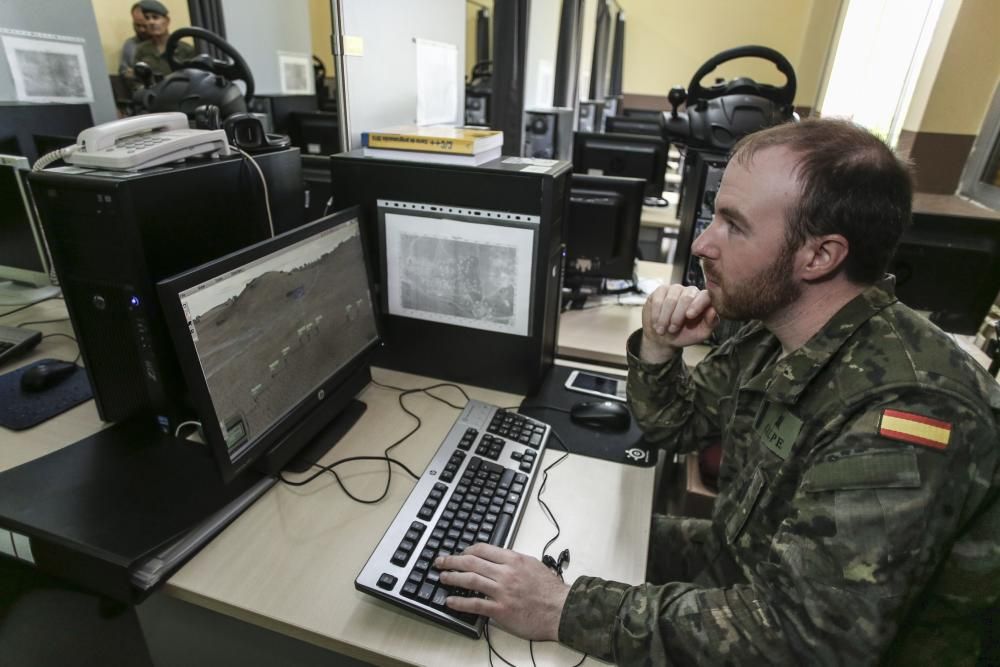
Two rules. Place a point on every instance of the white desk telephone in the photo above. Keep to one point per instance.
(144, 141)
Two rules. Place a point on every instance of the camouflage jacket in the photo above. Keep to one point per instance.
(858, 500)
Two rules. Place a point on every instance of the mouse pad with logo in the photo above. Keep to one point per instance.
(626, 447)
(20, 409)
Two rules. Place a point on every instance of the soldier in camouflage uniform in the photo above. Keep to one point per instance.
(858, 518)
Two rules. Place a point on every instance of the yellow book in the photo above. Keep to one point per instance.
(435, 139)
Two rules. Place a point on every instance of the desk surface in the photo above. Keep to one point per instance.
(598, 334)
(289, 562)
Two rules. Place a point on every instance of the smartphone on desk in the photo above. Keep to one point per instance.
(597, 385)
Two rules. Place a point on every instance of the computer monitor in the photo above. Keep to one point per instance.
(649, 127)
(48, 143)
(314, 132)
(648, 114)
(274, 340)
(949, 267)
(630, 155)
(25, 269)
(602, 228)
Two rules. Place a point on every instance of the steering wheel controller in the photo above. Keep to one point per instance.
(720, 115)
(202, 81)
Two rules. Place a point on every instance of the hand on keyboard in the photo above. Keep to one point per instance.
(523, 596)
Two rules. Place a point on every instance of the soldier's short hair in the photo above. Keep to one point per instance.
(851, 184)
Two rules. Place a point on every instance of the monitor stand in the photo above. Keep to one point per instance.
(327, 438)
(19, 294)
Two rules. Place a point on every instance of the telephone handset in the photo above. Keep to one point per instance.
(144, 141)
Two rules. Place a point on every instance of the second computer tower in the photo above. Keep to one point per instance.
(113, 235)
(702, 177)
(548, 133)
(468, 264)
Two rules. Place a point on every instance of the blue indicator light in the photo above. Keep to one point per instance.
(134, 301)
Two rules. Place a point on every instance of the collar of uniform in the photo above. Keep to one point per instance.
(793, 373)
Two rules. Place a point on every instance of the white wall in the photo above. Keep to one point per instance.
(381, 83)
(260, 28)
(543, 42)
(69, 18)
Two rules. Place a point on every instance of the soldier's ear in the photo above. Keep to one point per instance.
(823, 255)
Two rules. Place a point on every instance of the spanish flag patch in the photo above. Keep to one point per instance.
(917, 429)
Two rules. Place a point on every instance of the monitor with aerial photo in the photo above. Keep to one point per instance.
(266, 336)
(466, 267)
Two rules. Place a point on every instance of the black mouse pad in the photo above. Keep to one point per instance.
(627, 446)
(20, 409)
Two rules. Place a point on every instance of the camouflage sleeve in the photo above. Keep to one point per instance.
(677, 409)
(863, 540)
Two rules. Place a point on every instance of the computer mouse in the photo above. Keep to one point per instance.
(601, 415)
(46, 375)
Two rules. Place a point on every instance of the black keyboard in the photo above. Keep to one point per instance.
(474, 490)
(15, 341)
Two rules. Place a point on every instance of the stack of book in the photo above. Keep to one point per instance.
(441, 144)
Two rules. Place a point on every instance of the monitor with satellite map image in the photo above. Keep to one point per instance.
(267, 337)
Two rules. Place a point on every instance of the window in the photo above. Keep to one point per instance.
(981, 177)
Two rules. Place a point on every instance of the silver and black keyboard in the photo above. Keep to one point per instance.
(474, 490)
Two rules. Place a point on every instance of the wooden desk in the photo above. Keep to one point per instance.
(288, 563)
(598, 334)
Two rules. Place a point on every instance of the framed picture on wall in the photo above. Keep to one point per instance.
(296, 73)
(48, 71)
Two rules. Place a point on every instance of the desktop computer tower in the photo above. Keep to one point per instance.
(591, 116)
(702, 177)
(468, 264)
(477, 107)
(548, 133)
(316, 181)
(113, 235)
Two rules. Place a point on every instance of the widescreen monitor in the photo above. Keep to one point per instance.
(949, 267)
(602, 228)
(274, 340)
(25, 273)
(628, 155)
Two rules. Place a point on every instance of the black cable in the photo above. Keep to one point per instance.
(489, 646)
(385, 453)
(24, 324)
(75, 359)
(24, 306)
(426, 390)
(330, 469)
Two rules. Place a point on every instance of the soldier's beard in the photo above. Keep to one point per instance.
(759, 296)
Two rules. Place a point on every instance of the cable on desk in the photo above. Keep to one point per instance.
(385, 454)
(75, 359)
(426, 390)
(489, 646)
(330, 469)
(25, 306)
(24, 324)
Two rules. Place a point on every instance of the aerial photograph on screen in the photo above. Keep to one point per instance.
(269, 335)
(458, 278)
(455, 272)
